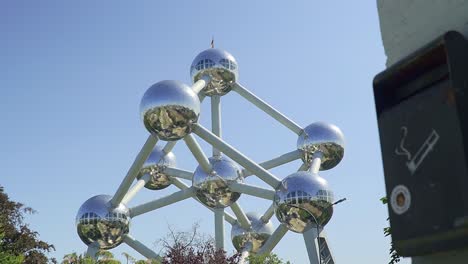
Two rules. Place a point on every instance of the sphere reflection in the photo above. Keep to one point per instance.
(323, 137)
(169, 109)
(219, 66)
(302, 201)
(213, 188)
(97, 221)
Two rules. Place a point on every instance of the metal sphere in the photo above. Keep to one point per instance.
(302, 201)
(97, 221)
(257, 235)
(169, 109)
(154, 166)
(213, 188)
(220, 66)
(323, 137)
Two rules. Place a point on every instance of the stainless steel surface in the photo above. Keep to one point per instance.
(301, 199)
(257, 234)
(213, 188)
(268, 109)
(169, 109)
(220, 66)
(155, 166)
(134, 169)
(323, 137)
(238, 157)
(228, 217)
(99, 222)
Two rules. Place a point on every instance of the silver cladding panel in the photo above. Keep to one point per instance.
(169, 108)
(258, 234)
(301, 197)
(323, 137)
(97, 221)
(220, 66)
(154, 166)
(213, 188)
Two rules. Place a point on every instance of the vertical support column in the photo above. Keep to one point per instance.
(310, 238)
(216, 120)
(93, 249)
(316, 162)
(219, 228)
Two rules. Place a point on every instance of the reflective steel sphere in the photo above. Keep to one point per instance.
(257, 235)
(213, 188)
(220, 66)
(97, 221)
(154, 167)
(323, 137)
(302, 200)
(169, 109)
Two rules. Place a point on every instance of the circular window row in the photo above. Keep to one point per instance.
(207, 63)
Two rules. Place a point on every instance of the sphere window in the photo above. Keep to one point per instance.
(228, 64)
(204, 64)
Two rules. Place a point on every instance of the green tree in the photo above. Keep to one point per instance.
(103, 257)
(18, 243)
(129, 258)
(266, 259)
(394, 257)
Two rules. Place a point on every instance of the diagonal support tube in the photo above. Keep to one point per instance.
(139, 247)
(252, 190)
(241, 217)
(303, 167)
(179, 184)
(238, 157)
(136, 188)
(161, 202)
(133, 171)
(216, 119)
(279, 233)
(267, 108)
(268, 214)
(278, 161)
(219, 228)
(178, 173)
(169, 146)
(197, 152)
(200, 84)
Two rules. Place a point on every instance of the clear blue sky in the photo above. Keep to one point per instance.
(72, 74)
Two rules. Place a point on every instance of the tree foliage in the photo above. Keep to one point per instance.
(178, 247)
(18, 243)
(394, 257)
(195, 248)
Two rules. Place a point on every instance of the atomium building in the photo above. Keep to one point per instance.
(302, 202)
